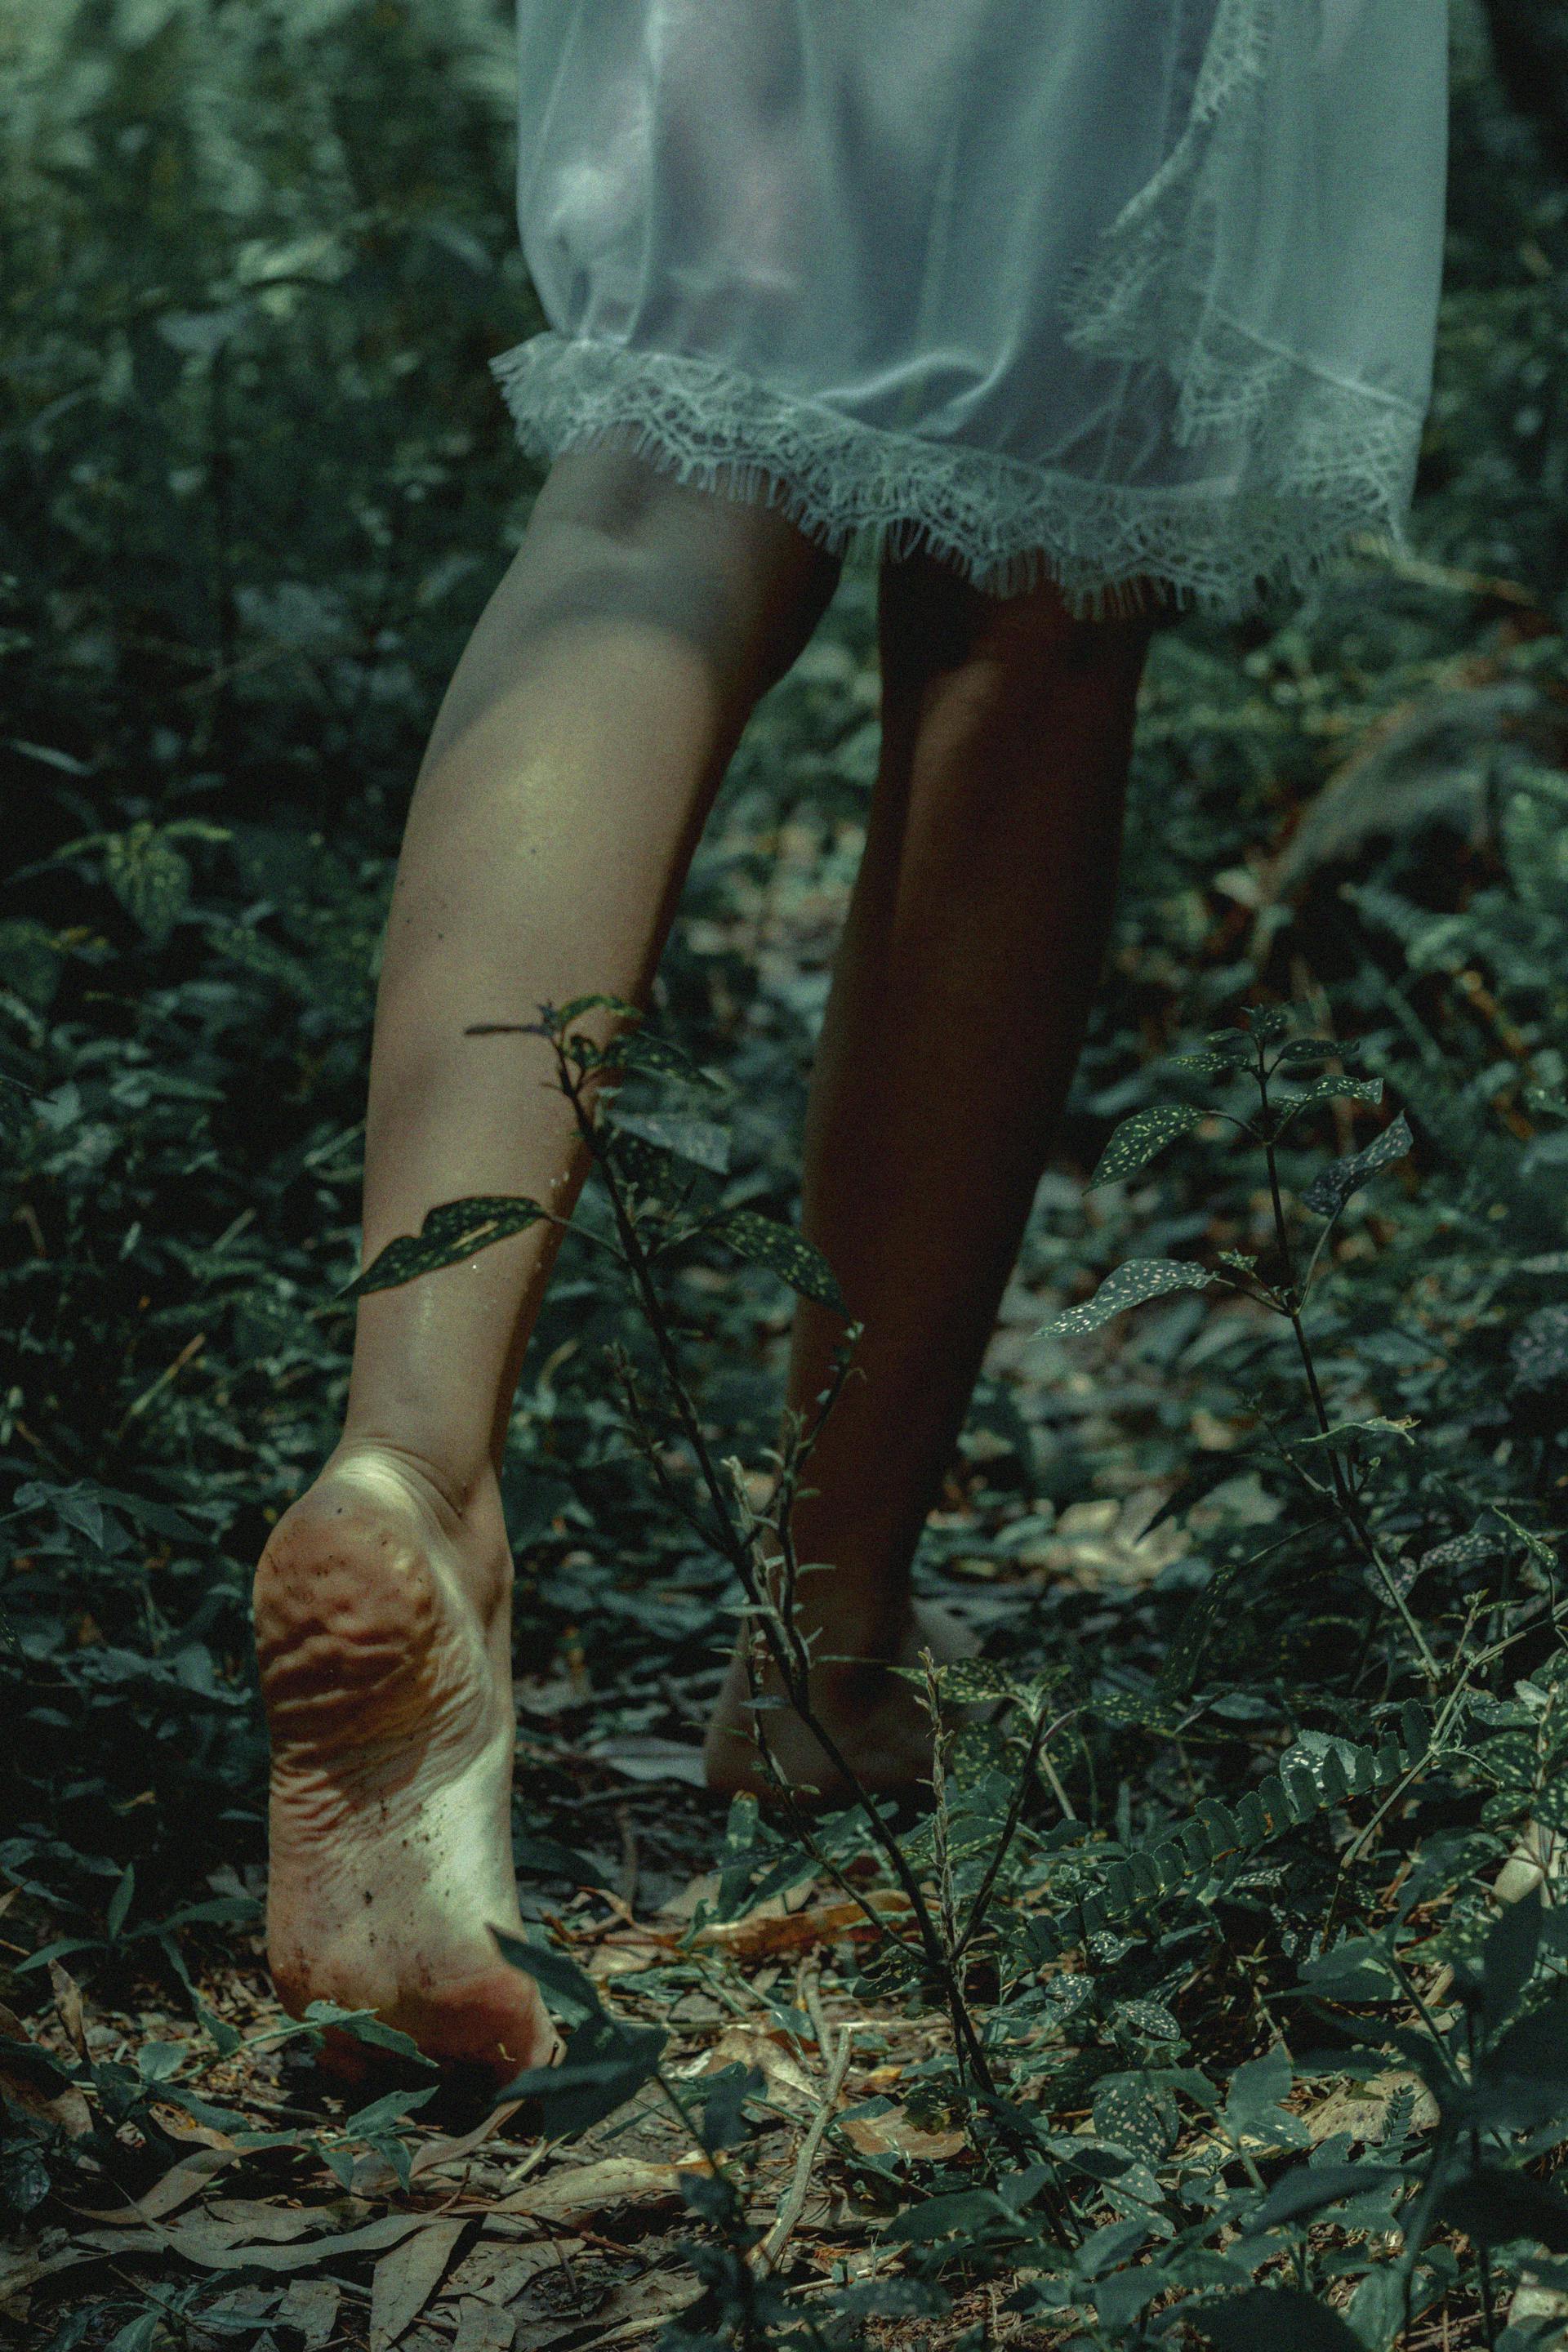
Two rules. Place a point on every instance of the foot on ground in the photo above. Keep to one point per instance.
(382, 1635)
(872, 1716)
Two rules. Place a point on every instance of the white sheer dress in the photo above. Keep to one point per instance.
(1112, 290)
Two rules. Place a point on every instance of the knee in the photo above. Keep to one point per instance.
(934, 623)
(612, 539)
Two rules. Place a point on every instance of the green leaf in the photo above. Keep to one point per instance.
(1255, 2103)
(1207, 1066)
(1272, 2319)
(148, 876)
(381, 2113)
(120, 1901)
(1130, 1285)
(138, 2335)
(1508, 1960)
(1312, 2187)
(1140, 1138)
(1523, 2080)
(1268, 1022)
(604, 2064)
(570, 1993)
(1298, 1053)
(763, 1241)
(574, 1011)
(546, 1857)
(1330, 1090)
(1494, 2207)
(1355, 1971)
(700, 1141)
(964, 2212)
(656, 1057)
(1329, 1191)
(160, 2062)
(363, 2025)
(1135, 2115)
(457, 1230)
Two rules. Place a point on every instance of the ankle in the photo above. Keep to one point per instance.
(454, 1497)
(847, 1634)
(369, 1490)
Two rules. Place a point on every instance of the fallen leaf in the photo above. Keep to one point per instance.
(248, 2217)
(310, 2306)
(592, 2188)
(177, 2126)
(483, 2327)
(763, 1932)
(239, 2313)
(788, 2084)
(894, 2132)
(404, 2280)
(437, 2153)
(1361, 2108)
(66, 2107)
(499, 2272)
(214, 2249)
(178, 2186)
(635, 2307)
(68, 2003)
(684, 1904)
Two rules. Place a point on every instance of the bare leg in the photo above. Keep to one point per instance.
(570, 769)
(963, 982)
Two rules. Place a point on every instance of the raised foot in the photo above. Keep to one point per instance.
(384, 1641)
(872, 1716)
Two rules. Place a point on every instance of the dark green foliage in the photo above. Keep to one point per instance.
(448, 1235)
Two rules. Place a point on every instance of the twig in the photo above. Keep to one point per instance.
(766, 2256)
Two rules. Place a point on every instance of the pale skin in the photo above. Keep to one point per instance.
(572, 767)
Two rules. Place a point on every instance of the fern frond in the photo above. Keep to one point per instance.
(1219, 1839)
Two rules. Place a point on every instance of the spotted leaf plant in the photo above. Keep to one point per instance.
(1263, 1065)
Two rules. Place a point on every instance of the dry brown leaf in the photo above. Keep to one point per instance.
(68, 2003)
(310, 2307)
(497, 2273)
(250, 2217)
(67, 2108)
(215, 2248)
(763, 1932)
(483, 2327)
(636, 2306)
(788, 2084)
(684, 1905)
(177, 2126)
(1361, 2108)
(895, 2133)
(439, 2152)
(178, 2186)
(592, 2188)
(404, 2280)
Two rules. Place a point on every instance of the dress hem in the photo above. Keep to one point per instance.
(1221, 545)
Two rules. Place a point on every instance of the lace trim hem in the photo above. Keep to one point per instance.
(1005, 524)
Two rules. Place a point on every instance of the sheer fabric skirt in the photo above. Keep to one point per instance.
(1113, 291)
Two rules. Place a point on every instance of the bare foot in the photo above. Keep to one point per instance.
(383, 1639)
(873, 1718)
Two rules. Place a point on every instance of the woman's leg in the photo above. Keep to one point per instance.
(573, 763)
(963, 982)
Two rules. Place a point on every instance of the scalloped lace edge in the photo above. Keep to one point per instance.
(1345, 470)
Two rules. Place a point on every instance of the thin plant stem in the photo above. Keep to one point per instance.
(786, 1648)
(1344, 1488)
